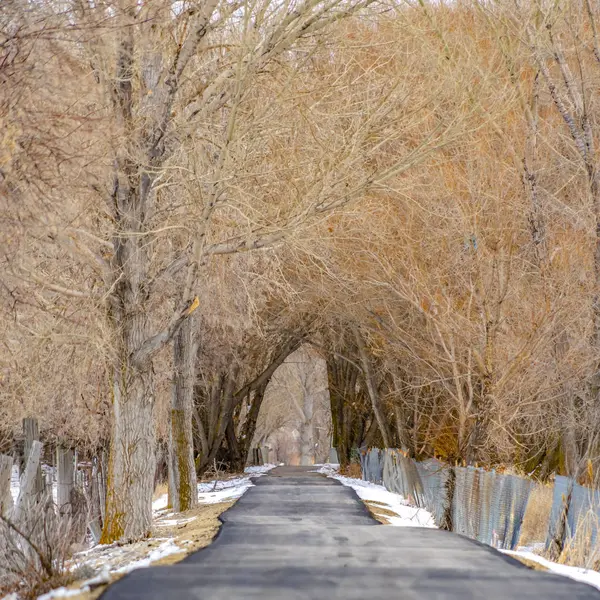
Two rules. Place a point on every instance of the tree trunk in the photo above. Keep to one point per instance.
(218, 409)
(220, 404)
(370, 435)
(372, 389)
(447, 520)
(32, 433)
(182, 476)
(131, 463)
(249, 427)
(337, 414)
(6, 500)
(236, 460)
(306, 432)
(65, 471)
(402, 429)
(349, 408)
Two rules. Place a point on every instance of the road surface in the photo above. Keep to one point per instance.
(298, 535)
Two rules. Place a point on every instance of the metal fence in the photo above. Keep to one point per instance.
(582, 506)
(484, 505)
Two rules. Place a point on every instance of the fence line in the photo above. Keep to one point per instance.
(483, 505)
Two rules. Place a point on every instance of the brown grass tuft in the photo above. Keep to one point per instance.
(352, 470)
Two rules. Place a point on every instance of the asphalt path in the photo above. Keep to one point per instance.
(299, 535)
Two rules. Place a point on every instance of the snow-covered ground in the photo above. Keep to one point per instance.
(405, 515)
(213, 492)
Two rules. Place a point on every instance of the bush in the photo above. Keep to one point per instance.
(34, 550)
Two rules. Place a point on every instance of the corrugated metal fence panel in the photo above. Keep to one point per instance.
(513, 496)
(372, 466)
(486, 506)
(488, 487)
(584, 511)
(434, 478)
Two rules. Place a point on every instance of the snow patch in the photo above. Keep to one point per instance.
(14, 483)
(171, 522)
(584, 575)
(405, 514)
(223, 491)
(213, 492)
(160, 503)
(259, 470)
(62, 592)
(165, 549)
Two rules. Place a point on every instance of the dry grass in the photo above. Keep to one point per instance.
(579, 550)
(160, 490)
(537, 516)
(379, 511)
(191, 536)
(196, 534)
(532, 564)
(352, 470)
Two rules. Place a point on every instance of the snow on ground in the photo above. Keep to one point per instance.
(223, 491)
(14, 483)
(585, 575)
(213, 492)
(60, 593)
(405, 514)
(48, 474)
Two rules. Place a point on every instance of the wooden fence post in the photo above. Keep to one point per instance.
(27, 492)
(6, 501)
(65, 470)
(32, 434)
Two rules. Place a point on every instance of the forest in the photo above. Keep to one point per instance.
(191, 191)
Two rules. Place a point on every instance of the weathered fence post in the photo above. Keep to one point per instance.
(27, 492)
(6, 501)
(65, 476)
(265, 455)
(32, 434)
(95, 502)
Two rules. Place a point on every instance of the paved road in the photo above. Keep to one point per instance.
(298, 535)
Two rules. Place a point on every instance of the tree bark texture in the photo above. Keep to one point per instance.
(182, 477)
(131, 463)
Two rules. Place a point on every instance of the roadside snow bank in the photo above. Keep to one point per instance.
(377, 495)
(584, 575)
